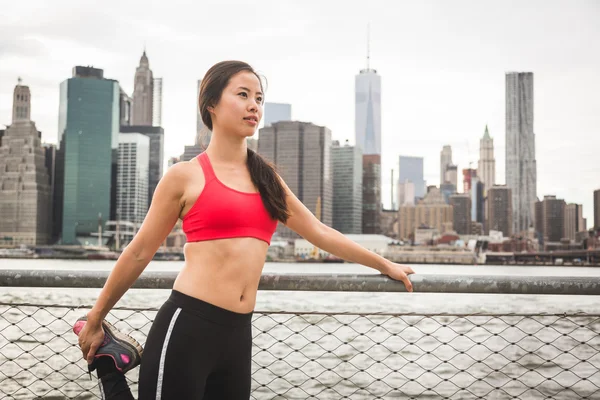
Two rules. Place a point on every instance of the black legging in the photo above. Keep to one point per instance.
(195, 350)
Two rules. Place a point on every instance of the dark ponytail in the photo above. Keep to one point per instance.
(262, 173)
(269, 186)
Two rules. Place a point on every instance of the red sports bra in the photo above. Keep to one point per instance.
(222, 212)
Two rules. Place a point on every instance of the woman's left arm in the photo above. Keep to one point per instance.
(303, 222)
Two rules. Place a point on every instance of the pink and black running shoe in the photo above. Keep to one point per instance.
(125, 351)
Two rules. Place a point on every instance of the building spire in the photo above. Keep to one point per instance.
(21, 102)
(368, 46)
(144, 59)
(486, 135)
(143, 93)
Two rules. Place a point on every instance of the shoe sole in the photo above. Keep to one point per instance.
(126, 341)
(132, 346)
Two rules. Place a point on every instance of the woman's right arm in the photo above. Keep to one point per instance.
(164, 211)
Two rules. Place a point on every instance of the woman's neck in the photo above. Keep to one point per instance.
(227, 149)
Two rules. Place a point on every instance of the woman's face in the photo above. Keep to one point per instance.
(241, 106)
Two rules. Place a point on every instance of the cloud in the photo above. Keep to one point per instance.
(27, 47)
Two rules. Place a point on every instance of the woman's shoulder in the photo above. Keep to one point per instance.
(184, 171)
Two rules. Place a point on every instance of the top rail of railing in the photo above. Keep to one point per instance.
(496, 284)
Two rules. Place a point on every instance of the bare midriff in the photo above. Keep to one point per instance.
(223, 272)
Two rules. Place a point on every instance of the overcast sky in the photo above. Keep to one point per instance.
(442, 65)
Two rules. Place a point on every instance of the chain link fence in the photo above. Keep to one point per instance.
(337, 356)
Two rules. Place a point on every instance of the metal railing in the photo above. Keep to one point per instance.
(325, 355)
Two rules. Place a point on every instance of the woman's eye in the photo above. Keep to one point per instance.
(259, 99)
(244, 94)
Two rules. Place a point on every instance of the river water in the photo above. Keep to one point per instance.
(359, 356)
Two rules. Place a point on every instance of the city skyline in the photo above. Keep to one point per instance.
(432, 71)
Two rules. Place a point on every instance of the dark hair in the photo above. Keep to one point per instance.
(262, 173)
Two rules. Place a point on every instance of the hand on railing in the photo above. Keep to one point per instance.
(400, 272)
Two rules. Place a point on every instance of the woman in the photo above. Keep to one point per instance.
(230, 201)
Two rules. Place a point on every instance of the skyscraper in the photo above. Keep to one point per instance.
(445, 162)
(550, 219)
(487, 162)
(157, 102)
(477, 200)
(406, 193)
(132, 177)
(143, 93)
(302, 153)
(411, 169)
(51, 153)
(371, 220)
(88, 132)
(275, 112)
(347, 188)
(499, 205)
(574, 221)
(125, 108)
(203, 134)
(156, 134)
(461, 211)
(468, 175)
(367, 113)
(25, 192)
(521, 170)
(452, 175)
